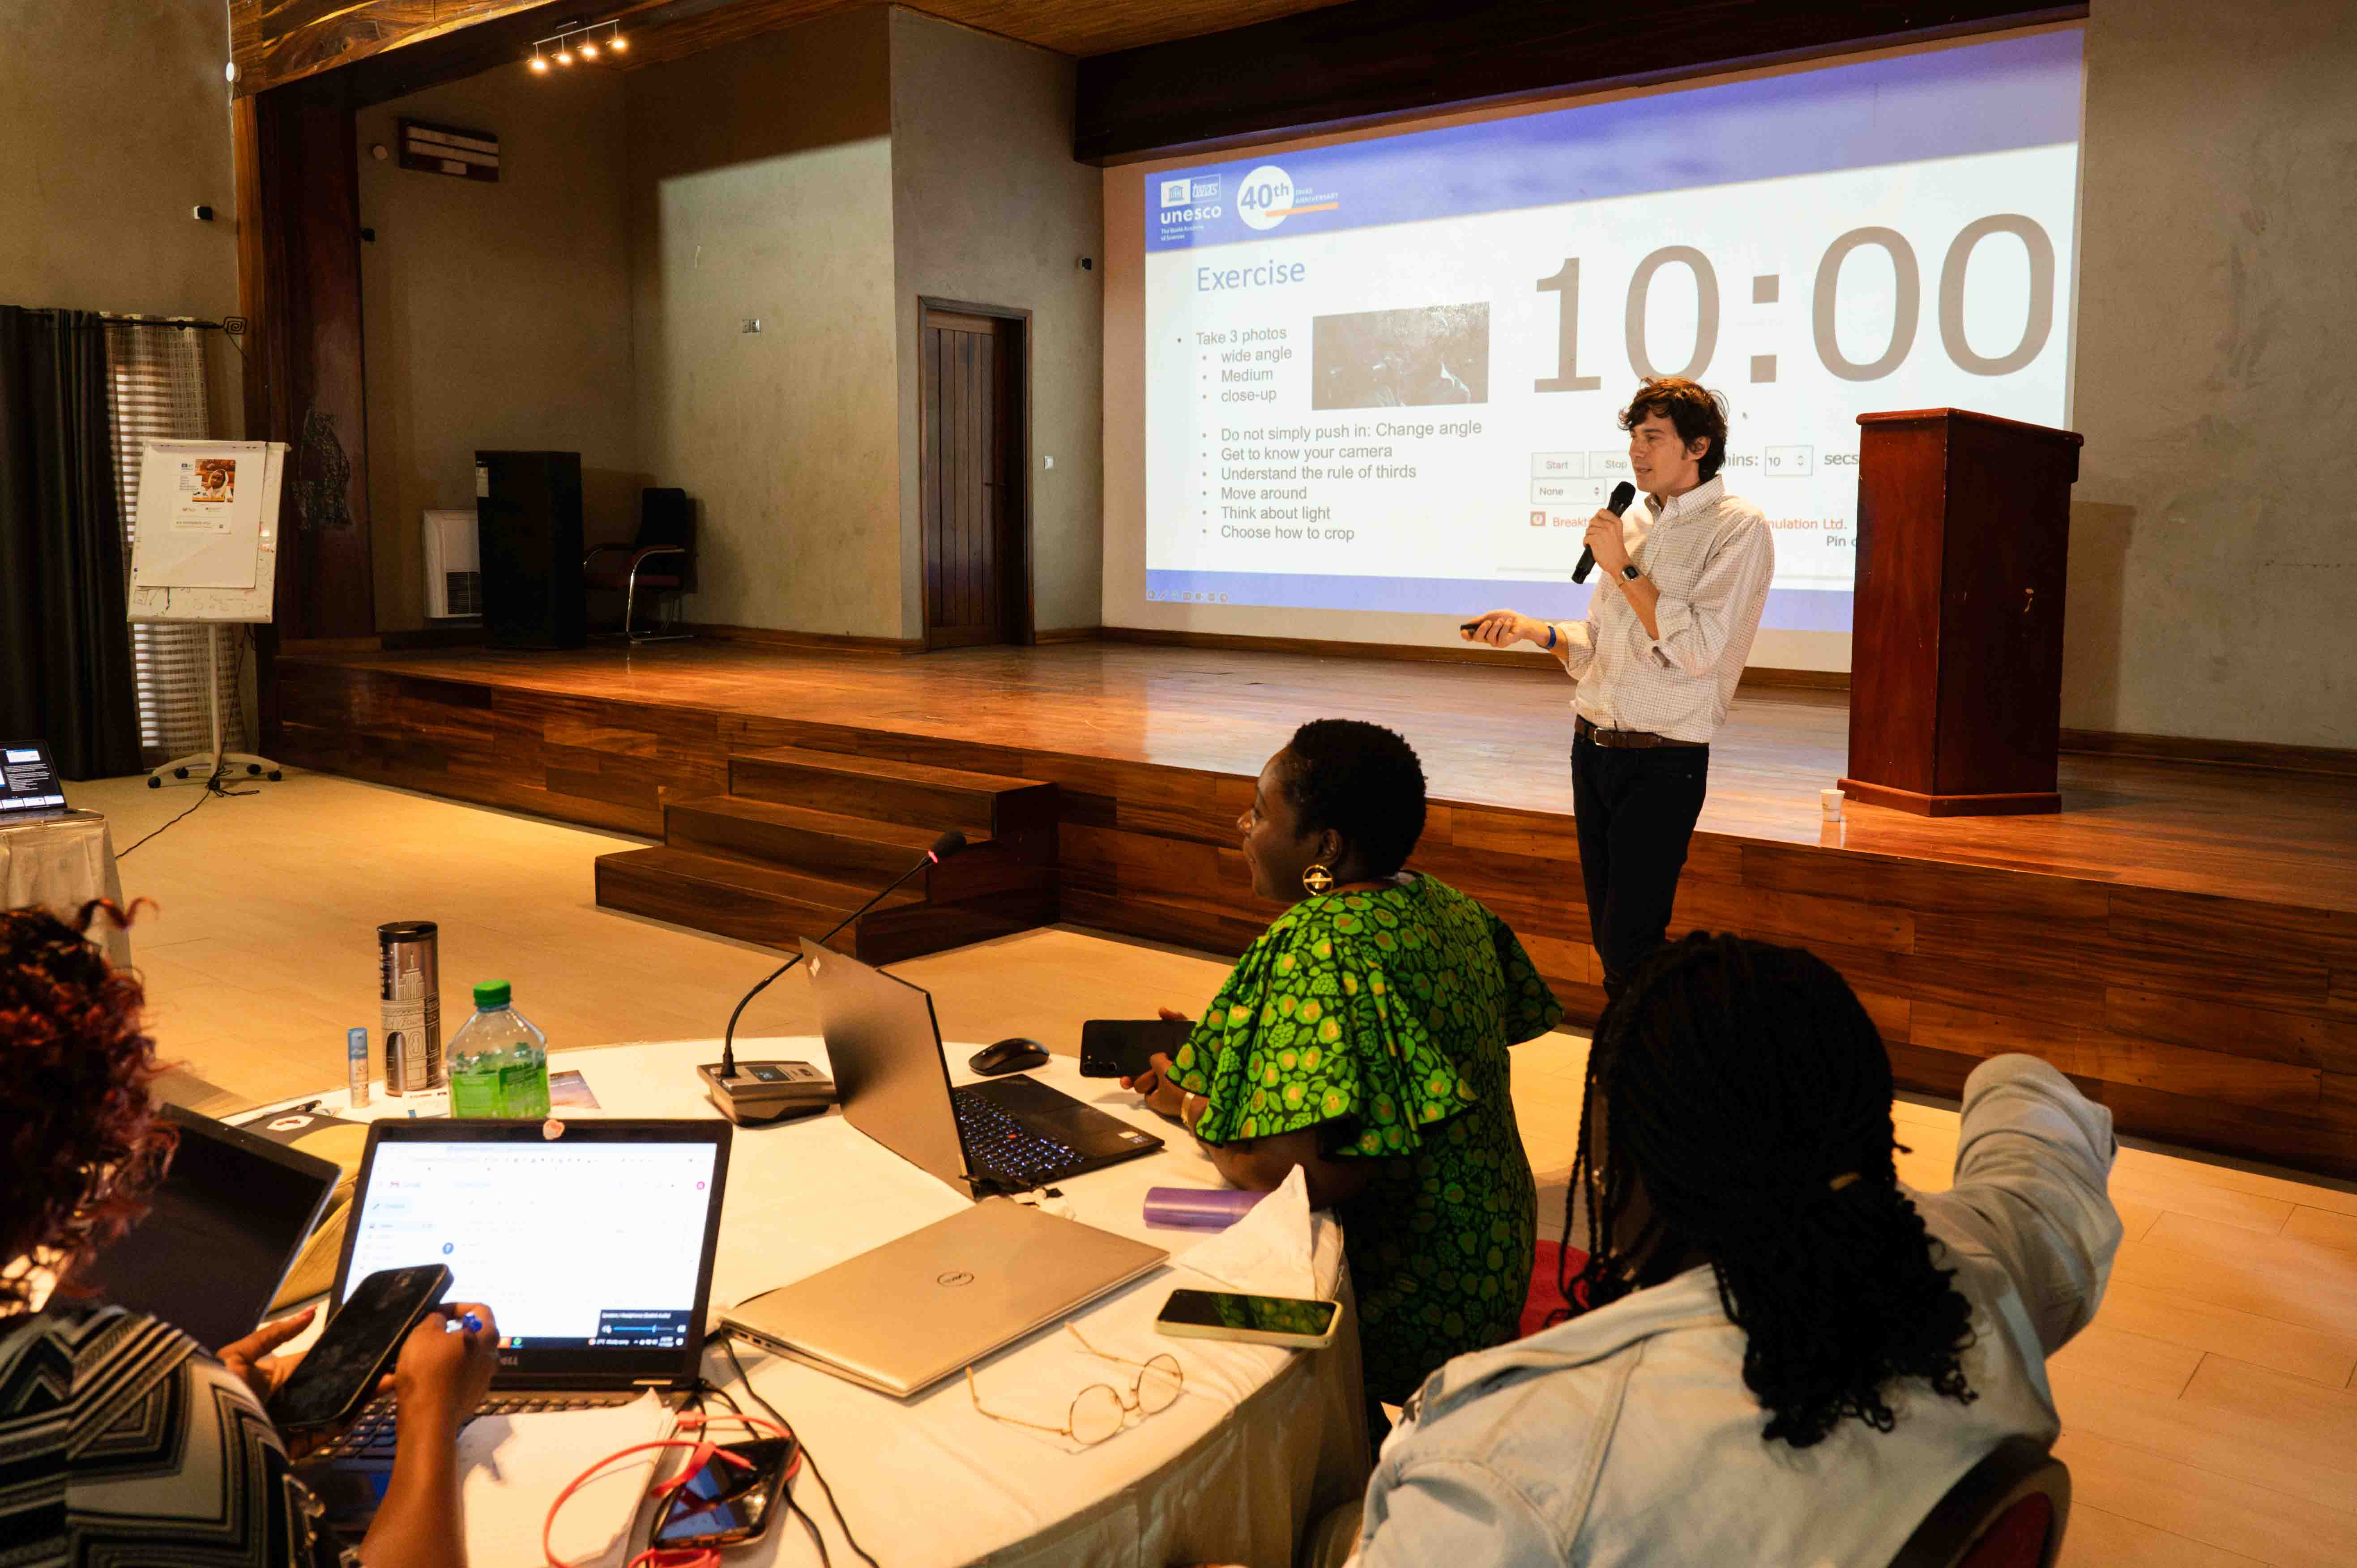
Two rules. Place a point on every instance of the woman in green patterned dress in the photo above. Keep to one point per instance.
(1363, 1037)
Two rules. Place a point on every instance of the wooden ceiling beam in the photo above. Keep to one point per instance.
(272, 42)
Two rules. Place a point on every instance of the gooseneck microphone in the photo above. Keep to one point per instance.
(1622, 494)
(948, 845)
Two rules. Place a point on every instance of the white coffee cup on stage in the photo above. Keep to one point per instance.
(1831, 799)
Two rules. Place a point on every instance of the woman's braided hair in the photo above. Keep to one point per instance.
(80, 1144)
(1745, 1088)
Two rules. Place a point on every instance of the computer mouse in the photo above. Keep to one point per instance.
(1011, 1055)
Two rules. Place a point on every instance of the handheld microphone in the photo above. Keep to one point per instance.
(1622, 494)
(769, 1091)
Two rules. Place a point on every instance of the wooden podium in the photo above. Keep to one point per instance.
(1964, 527)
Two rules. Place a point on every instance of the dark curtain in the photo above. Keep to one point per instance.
(65, 651)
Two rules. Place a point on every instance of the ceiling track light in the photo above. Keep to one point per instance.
(581, 41)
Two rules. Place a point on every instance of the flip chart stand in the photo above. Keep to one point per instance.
(216, 762)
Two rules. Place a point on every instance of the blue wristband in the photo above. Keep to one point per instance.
(1550, 641)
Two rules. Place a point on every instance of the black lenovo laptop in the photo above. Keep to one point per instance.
(224, 1227)
(594, 1249)
(1001, 1135)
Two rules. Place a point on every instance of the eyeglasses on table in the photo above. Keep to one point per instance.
(1100, 1411)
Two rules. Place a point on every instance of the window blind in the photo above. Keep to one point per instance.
(155, 384)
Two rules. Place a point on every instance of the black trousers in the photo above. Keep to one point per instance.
(1635, 811)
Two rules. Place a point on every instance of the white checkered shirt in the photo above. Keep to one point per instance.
(1711, 555)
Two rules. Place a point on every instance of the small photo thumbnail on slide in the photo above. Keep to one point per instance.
(1401, 359)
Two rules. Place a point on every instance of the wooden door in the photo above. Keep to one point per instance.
(973, 472)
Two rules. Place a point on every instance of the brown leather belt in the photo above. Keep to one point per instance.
(1631, 739)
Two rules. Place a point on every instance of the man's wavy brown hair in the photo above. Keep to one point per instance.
(1693, 409)
(80, 1147)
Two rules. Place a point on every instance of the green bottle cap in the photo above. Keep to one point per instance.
(490, 993)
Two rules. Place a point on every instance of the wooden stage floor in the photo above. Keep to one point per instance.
(2182, 937)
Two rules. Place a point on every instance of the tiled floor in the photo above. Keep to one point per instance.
(2210, 1413)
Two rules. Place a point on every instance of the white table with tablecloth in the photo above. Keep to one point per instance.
(1260, 1445)
(62, 862)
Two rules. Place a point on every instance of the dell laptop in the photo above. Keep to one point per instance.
(904, 1316)
(222, 1227)
(1003, 1134)
(593, 1248)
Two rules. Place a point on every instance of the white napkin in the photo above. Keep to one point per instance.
(510, 1468)
(1272, 1250)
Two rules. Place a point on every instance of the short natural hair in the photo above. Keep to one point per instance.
(1692, 408)
(1364, 782)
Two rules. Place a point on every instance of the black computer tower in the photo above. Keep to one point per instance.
(528, 530)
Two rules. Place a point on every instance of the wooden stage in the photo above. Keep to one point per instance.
(2182, 939)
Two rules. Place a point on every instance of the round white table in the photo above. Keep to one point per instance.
(1262, 1442)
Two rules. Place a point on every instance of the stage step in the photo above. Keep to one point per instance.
(817, 843)
(804, 837)
(913, 793)
(733, 898)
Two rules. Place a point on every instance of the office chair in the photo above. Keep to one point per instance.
(2008, 1511)
(667, 537)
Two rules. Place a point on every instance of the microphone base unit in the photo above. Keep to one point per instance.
(760, 1094)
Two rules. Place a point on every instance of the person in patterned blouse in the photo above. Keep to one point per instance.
(1363, 1037)
(122, 1441)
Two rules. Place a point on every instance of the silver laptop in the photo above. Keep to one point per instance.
(903, 1316)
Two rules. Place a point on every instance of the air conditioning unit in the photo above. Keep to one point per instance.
(454, 569)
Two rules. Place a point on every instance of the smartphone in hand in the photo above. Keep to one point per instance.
(338, 1375)
(1124, 1048)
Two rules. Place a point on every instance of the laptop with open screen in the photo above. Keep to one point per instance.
(28, 782)
(222, 1230)
(1003, 1134)
(594, 1249)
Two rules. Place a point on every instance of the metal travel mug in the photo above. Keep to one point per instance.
(410, 984)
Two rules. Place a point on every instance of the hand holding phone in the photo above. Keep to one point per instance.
(340, 1373)
(1125, 1048)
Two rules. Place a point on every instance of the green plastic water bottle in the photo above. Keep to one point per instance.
(499, 1061)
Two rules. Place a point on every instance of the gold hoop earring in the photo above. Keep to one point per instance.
(1315, 878)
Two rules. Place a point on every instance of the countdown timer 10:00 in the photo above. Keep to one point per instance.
(2037, 326)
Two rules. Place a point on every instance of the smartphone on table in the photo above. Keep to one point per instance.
(359, 1345)
(1124, 1048)
(1298, 1323)
(727, 1503)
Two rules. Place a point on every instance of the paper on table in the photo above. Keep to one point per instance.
(1272, 1250)
(510, 1468)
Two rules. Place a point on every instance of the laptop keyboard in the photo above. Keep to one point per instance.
(372, 1435)
(1005, 1149)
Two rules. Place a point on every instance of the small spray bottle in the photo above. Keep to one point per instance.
(355, 1066)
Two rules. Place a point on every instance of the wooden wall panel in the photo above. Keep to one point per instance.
(2218, 1022)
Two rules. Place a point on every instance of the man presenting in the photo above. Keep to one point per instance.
(1680, 584)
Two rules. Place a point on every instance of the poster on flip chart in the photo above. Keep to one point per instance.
(205, 529)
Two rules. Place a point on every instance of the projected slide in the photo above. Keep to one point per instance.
(1384, 376)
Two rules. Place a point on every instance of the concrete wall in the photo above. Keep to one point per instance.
(989, 209)
(115, 125)
(761, 186)
(495, 315)
(2214, 542)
